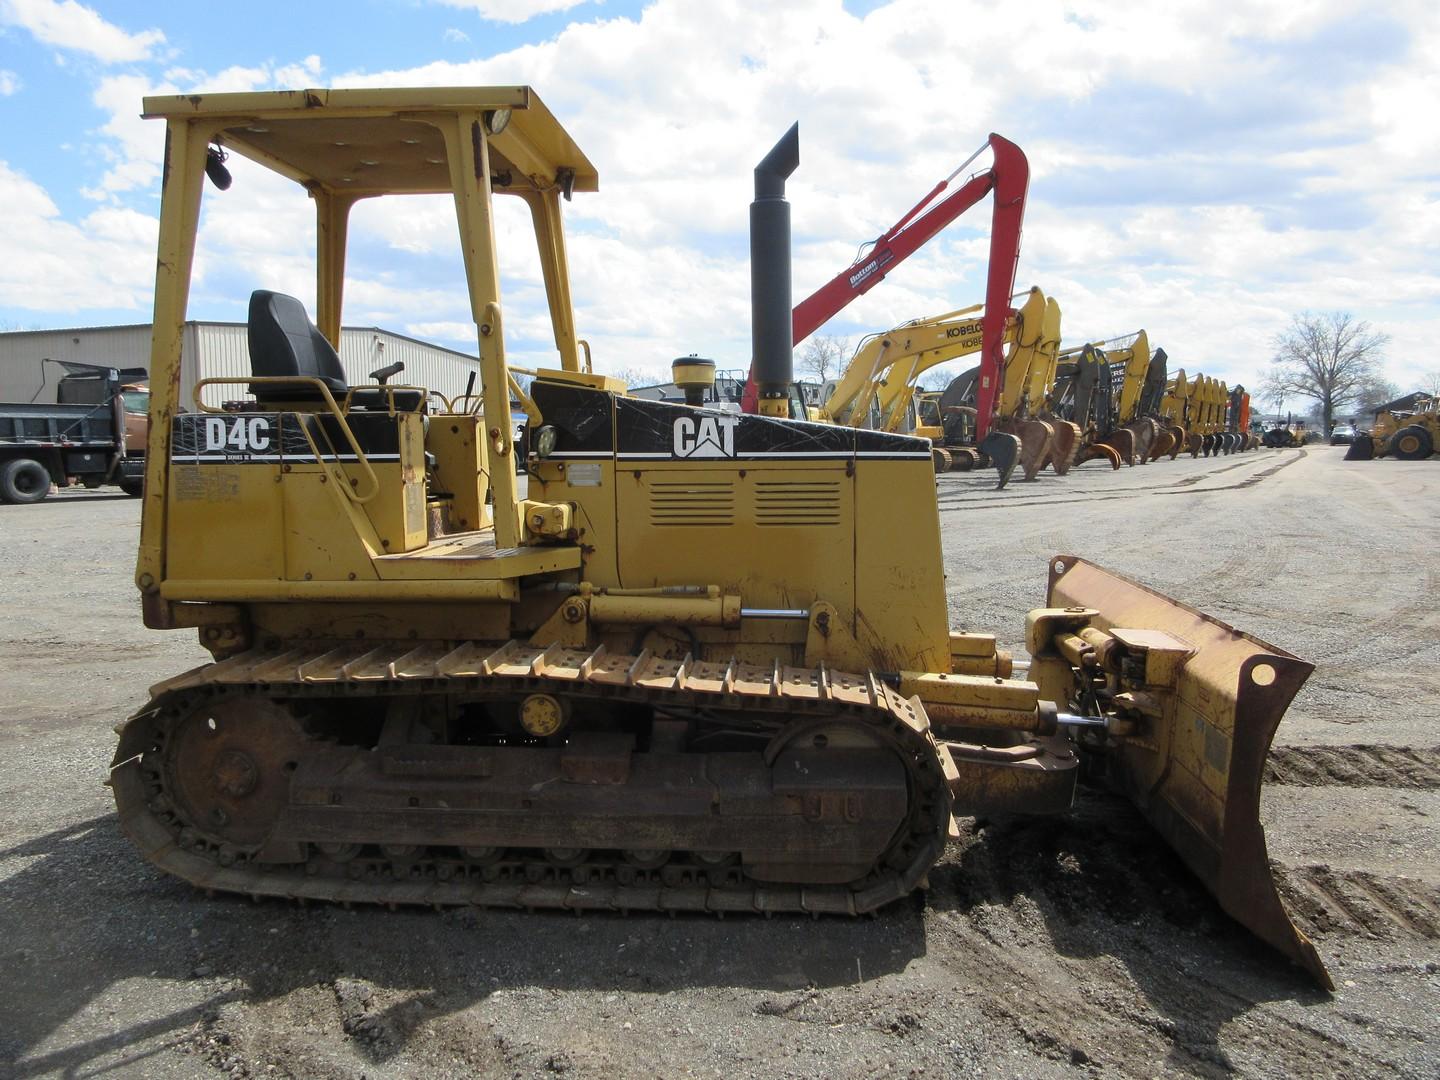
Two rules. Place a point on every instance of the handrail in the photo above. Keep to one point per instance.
(351, 493)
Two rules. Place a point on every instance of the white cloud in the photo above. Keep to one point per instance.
(1201, 172)
(9, 83)
(47, 264)
(70, 25)
(512, 11)
(455, 36)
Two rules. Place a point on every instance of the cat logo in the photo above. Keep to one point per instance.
(705, 436)
(243, 435)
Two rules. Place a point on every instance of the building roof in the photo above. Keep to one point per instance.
(1403, 404)
(215, 322)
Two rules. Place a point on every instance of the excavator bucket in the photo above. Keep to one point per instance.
(1122, 440)
(1163, 444)
(1037, 444)
(1194, 770)
(1101, 450)
(1179, 433)
(1062, 450)
(1144, 431)
(1003, 451)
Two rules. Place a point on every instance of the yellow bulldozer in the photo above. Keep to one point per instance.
(700, 663)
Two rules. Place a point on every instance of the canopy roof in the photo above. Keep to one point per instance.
(374, 142)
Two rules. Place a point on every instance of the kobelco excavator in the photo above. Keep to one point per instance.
(878, 387)
(701, 664)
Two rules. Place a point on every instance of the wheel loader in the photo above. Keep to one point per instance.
(1410, 436)
(700, 664)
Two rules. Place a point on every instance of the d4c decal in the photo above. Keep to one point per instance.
(242, 435)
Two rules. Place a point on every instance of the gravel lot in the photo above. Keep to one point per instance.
(1072, 947)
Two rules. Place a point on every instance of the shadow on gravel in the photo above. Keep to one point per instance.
(93, 939)
(1099, 883)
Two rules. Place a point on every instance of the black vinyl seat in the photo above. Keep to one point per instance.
(284, 342)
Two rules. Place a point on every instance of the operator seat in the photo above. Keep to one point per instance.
(284, 342)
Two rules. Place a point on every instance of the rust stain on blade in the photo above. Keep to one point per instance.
(1196, 774)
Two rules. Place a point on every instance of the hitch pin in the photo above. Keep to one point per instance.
(1066, 719)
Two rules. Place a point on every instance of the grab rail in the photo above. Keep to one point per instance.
(352, 493)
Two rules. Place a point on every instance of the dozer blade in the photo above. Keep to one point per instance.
(1037, 444)
(1195, 774)
(1362, 449)
(1003, 451)
(1062, 451)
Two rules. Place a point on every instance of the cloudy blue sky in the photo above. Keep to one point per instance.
(1203, 170)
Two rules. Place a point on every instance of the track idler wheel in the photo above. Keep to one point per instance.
(1362, 449)
(227, 766)
(1003, 451)
(942, 460)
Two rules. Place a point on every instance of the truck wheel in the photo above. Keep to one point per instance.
(134, 488)
(23, 481)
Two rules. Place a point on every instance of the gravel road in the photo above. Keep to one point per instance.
(1043, 948)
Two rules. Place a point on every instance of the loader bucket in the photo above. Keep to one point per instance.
(1362, 449)
(1195, 774)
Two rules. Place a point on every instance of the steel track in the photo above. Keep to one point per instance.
(442, 877)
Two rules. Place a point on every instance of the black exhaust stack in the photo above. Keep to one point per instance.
(771, 325)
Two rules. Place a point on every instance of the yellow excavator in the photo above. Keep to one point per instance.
(699, 661)
(878, 388)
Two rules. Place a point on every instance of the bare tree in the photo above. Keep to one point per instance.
(1430, 383)
(1327, 358)
(936, 378)
(1372, 394)
(823, 356)
(633, 376)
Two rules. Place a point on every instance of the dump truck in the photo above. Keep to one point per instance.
(93, 435)
(702, 663)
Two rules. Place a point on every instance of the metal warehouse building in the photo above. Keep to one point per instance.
(212, 350)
